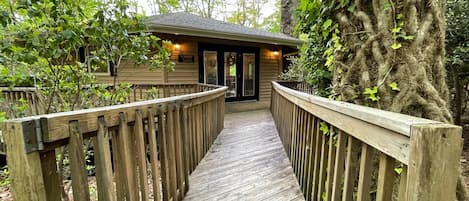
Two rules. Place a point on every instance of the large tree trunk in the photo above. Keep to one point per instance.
(376, 57)
(287, 16)
(417, 67)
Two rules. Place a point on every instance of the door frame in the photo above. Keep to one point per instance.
(221, 49)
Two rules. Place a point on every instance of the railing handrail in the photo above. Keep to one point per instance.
(56, 122)
(397, 122)
(19, 89)
(427, 151)
(386, 131)
(32, 89)
(124, 105)
(169, 135)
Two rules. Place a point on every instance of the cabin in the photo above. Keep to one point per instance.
(209, 51)
(183, 146)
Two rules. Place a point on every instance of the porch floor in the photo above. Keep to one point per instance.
(246, 162)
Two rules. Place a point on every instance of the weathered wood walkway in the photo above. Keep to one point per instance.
(246, 162)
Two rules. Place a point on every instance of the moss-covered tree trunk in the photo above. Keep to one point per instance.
(393, 58)
(397, 47)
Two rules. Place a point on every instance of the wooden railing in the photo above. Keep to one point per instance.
(139, 91)
(302, 86)
(29, 95)
(342, 151)
(142, 151)
(34, 100)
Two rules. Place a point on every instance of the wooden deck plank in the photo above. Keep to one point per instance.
(246, 162)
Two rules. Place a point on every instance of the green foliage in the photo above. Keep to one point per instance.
(41, 41)
(3, 116)
(324, 128)
(301, 69)
(151, 93)
(457, 54)
(5, 179)
(372, 94)
(20, 108)
(272, 23)
(398, 170)
(396, 46)
(398, 33)
(394, 87)
(317, 55)
(249, 13)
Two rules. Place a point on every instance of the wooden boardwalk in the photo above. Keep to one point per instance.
(246, 162)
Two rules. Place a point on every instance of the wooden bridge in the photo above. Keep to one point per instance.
(185, 148)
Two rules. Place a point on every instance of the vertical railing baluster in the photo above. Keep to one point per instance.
(364, 180)
(103, 163)
(127, 160)
(155, 170)
(339, 166)
(139, 138)
(162, 141)
(77, 163)
(385, 178)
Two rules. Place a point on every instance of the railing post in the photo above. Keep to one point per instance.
(433, 167)
(27, 179)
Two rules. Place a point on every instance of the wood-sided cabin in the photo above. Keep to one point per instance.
(215, 52)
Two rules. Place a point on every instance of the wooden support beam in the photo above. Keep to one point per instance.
(433, 168)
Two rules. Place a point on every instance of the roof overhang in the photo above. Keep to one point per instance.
(190, 31)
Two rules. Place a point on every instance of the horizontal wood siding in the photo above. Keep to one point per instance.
(188, 72)
(185, 72)
(269, 70)
(135, 75)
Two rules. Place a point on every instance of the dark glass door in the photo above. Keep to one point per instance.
(231, 74)
(233, 66)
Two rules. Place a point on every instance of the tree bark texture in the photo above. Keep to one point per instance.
(417, 67)
(287, 16)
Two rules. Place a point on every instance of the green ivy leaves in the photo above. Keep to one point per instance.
(396, 46)
(326, 24)
(399, 33)
(324, 128)
(394, 87)
(387, 6)
(3, 116)
(372, 93)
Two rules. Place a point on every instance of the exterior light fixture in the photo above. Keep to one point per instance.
(177, 46)
(275, 51)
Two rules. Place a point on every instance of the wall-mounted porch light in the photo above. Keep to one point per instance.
(275, 51)
(177, 46)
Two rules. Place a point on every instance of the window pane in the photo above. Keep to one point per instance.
(249, 62)
(230, 73)
(210, 65)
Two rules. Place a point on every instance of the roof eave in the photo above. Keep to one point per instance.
(222, 35)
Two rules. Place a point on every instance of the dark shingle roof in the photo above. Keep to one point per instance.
(193, 25)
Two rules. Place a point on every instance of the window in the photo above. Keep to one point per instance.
(95, 66)
(248, 77)
(210, 67)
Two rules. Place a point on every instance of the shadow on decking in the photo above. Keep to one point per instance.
(246, 162)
